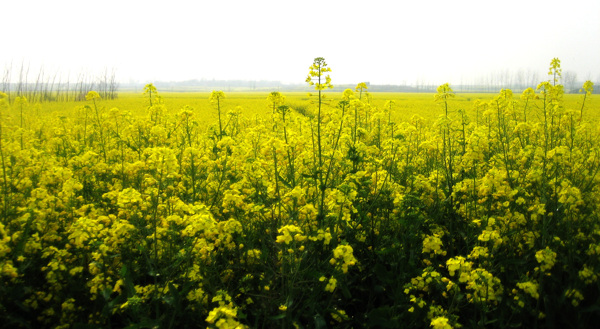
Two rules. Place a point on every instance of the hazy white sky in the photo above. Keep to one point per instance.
(377, 41)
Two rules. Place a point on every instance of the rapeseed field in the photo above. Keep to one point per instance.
(275, 210)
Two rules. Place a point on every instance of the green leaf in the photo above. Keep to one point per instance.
(283, 181)
(382, 317)
(320, 322)
(277, 317)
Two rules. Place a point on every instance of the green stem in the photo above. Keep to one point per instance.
(5, 180)
(219, 112)
(581, 110)
(101, 132)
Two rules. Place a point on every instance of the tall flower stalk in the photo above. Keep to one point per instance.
(216, 97)
(318, 77)
(3, 107)
(444, 92)
(92, 96)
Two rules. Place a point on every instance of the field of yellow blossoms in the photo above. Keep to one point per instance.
(322, 212)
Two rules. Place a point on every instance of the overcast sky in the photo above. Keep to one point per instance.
(383, 42)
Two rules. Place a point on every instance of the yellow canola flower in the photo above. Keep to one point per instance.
(459, 264)
(331, 284)
(322, 235)
(530, 287)
(588, 87)
(478, 252)
(432, 244)
(128, 197)
(285, 234)
(484, 285)
(345, 254)
(197, 295)
(546, 258)
(575, 295)
(254, 255)
(440, 322)
(275, 98)
(348, 94)
(7, 269)
(587, 275)
(490, 235)
(224, 316)
(444, 92)
(216, 96)
(317, 72)
(92, 95)
(339, 315)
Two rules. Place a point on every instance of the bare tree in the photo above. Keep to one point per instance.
(570, 81)
(6, 80)
(66, 88)
(533, 78)
(114, 86)
(22, 84)
(103, 84)
(59, 88)
(35, 92)
(52, 87)
(49, 89)
(520, 80)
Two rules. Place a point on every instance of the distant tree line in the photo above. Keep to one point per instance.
(42, 86)
(490, 83)
(208, 85)
(505, 79)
